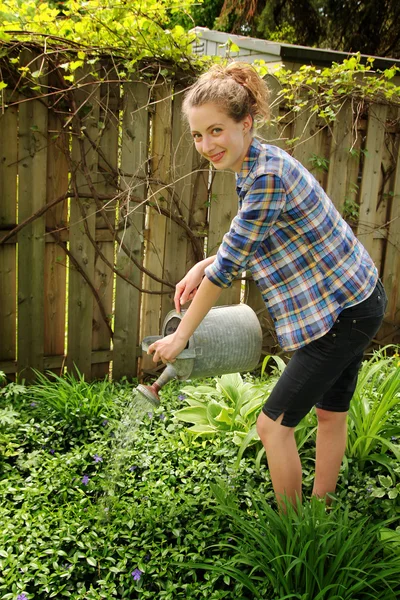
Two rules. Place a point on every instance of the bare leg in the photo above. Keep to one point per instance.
(330, 449)
(283, 458)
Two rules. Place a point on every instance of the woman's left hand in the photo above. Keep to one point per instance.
(167, 349)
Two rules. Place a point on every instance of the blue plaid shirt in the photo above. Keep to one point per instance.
(303, 256)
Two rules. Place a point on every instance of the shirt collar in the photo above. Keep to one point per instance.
(249, 161)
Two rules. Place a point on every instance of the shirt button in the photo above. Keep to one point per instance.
(337, 320)
(354, 321)
(333, 334)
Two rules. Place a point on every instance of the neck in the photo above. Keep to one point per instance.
(248, 140)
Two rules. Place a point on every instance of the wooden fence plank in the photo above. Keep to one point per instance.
(183, 177)
(32, 167)
(134, 157)
(82, 216)
(310, 148)
(8, 217)
(106, 184)
(390, 331)
(55, 269)
(338, 185)
(198, 208)
(156, 222)
(372, 211)
(223, 208)
(272, 132)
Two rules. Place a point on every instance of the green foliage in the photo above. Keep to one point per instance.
(307, 552)
(319, 163)
(61, 538)
(230, 405)
(371, 432)
(64, 536)
(323, 91)
(316, 23)
(133, 30)
(71, 399)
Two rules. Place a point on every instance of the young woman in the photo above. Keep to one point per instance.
(317, 280)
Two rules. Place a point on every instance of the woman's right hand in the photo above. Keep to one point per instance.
(186, 289)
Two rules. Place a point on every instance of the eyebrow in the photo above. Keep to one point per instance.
(209, 127)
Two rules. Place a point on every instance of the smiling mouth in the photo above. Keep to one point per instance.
(216, 157)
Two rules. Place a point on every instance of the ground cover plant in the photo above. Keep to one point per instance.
(87, 512)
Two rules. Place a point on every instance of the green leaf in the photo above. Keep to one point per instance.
(195, 414)
(202, 429)
(385, 481)
(92, 561)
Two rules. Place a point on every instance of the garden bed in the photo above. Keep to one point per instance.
(94, 509)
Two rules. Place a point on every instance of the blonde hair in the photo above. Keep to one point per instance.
(237, 88)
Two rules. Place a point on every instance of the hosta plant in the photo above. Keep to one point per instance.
(230, 405)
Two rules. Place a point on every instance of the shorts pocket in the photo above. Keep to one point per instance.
(363, 331)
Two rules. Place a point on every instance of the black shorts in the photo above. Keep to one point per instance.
(324, 373)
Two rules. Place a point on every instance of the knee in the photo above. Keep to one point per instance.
(329, 417)
(269, 429)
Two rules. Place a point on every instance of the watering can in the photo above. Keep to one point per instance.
(228, 340)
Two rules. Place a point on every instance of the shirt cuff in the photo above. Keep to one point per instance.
(222, 279)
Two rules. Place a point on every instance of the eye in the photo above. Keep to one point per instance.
(216, 130)
(196, 136)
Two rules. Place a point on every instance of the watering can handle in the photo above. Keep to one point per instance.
(187, 353)
(148, 341)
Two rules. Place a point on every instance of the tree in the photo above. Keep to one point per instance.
(366, 26)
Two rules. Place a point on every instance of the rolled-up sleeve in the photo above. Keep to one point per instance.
(261, 207)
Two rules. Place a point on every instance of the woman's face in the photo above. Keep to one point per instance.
(219, 138)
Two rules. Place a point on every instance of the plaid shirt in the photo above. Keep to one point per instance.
(303, 256)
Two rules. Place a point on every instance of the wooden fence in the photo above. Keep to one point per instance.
(104, 205)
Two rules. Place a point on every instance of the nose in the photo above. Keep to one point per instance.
(208, 144)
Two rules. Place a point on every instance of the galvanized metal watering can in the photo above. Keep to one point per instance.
(228, 340)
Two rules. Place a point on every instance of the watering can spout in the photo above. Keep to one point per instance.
(150, 392)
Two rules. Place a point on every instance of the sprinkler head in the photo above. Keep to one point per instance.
(150, 392)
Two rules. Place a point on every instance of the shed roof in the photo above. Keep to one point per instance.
(211, 42)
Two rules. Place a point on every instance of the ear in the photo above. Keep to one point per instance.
(247, 123)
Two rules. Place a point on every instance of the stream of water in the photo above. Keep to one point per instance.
(125, 435)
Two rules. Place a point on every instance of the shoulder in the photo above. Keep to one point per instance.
(271, 163)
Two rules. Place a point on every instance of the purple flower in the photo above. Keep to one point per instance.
(181, 397)
(52, 451)
(33, 404)
(85, 479)
(105, 422)
(22, 596)
(133, 468)
(393, 438)
(136, 574)
(162, 417)
(150, 415)
(97, 458)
